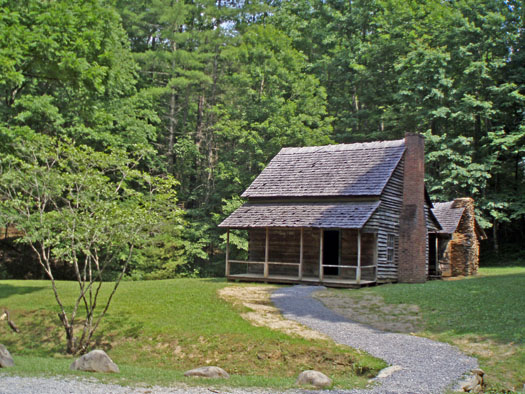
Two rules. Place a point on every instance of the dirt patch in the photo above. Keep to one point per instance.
(262, 313)
(484, 347)
(370, 309)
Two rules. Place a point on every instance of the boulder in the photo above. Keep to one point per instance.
(95, 361)
(473, 383)
(208, 372)
(313, 378)
(469, 384)
(5, 357)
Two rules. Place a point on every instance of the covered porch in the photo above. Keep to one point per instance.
(301, 242)
(334, 257)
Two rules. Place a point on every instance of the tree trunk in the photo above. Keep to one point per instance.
(477, 137)
(171, 132)
(495, 236)
(199, 133)
(172, 119)
(70, 340)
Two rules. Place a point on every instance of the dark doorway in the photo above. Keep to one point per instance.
(433, 268)
(331, 251)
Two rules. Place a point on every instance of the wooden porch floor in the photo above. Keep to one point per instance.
(308, 280)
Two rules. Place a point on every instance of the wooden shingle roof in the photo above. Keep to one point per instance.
(448, 216)
(361, 169)
(352, 215)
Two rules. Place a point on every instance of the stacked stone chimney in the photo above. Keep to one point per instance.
(464, 246)
(413, 233)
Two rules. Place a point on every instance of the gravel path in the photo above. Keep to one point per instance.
(23, 385)
(427, 366)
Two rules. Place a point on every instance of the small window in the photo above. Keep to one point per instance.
(390, 248)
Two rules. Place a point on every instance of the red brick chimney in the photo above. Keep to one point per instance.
(413, 233)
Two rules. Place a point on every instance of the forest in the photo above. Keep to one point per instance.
(179, 104)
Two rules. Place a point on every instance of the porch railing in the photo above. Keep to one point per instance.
(266, 263)
(266, 271)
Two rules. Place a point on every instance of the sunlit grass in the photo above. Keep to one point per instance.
(155, 330)
(483, 315)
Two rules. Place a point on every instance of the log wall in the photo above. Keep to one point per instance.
(284, 243)
(349, 254)
(431, 226)
(284, 246)
(386, 221)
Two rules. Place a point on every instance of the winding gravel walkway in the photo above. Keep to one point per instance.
(427, 366)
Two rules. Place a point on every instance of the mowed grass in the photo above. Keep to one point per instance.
(156, 330)
(482, 315)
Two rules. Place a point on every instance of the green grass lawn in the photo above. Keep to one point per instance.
(155, 330)
(482, 315)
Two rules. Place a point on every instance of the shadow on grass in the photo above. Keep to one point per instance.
(39, 334)
(115, 328)
(214, 280)
(491, 307)
(7, 290)
(485, 306)
(42, 334)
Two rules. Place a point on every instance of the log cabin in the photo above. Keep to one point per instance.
(455, 248)
(340, 215)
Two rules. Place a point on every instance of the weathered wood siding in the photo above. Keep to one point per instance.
(284, 246)
(386, 221)
(349, 254)
(431, 227)
(284, 243)
(430, 223)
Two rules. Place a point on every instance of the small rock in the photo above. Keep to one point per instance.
(469, 384)
(208, 372)
(478, 372)
(5, 357)
(386, 372)
(314, 378)
(95, 361)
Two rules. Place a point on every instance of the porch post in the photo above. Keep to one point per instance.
(321, 273)
(437, 255)
(227, 253)
(301, 255)
(358, 271)
(266, 254)
(376, 240)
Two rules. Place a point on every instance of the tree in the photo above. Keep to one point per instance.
(66, 70)
(89, 209)
(268, 102)
(452, 70)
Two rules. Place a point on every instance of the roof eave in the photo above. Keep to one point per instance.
(371, 209)
(432, 216)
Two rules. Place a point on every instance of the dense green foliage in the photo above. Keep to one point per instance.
(88, 209)
(213, 89)
(450, 70)
(156, 330)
